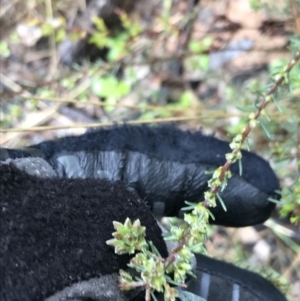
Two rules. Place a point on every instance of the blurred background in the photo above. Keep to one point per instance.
(70, 65)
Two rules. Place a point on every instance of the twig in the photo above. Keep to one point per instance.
(94, 125)
(261, 107)
(54, 61)
(225, 168)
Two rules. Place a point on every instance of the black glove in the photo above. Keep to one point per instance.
(48, 224)
(166, 167)
(54, 233)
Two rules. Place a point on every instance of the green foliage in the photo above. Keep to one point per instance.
(4, 49)
(154, 269)
(185, 100)
(118, 44)
(256, 5)
(197, 220)
(292, 79)
(199, 62)
(56, 27)
(291, 200)
(128, 237)
(110, 88)
(200, 46)
(281, 132)
(278, 141)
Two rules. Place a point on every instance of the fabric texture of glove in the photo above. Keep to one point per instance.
(54, 232)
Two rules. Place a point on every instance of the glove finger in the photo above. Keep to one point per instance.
(220, 281)
(166, 167)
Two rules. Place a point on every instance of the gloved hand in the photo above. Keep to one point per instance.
(55, 228)
(54, 232)
(165, 167)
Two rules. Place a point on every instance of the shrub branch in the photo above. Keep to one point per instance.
(154, 270)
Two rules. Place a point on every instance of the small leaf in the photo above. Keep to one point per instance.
(100, 24)
(278, 202)
(195, 46)
(200, 46)
(276, 104)
(4, 49)
(222, 202)
(240, 167)
(265, 129)
(203, 62)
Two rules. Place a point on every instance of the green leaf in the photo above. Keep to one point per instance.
(47, 29)
(4, 50)
(256, 5)
(240, 167)
(222, 202)
(203, 62)
(276, 104)
(109, 87)
(186, 99)
(128, 237)
(200, 46)
(60, 35)
(265, 129)
(99, 39)
(123, 88)
(104, 87)
(100, 24)
(195, 46)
